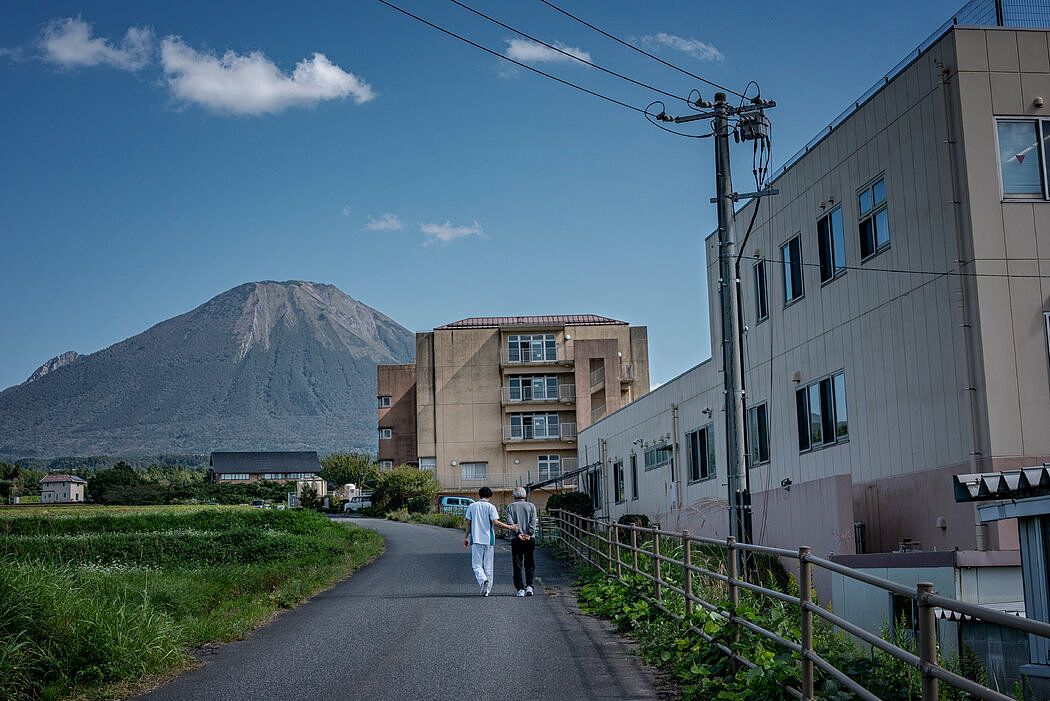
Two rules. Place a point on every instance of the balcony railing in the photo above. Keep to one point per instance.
(597, 412)
(626, 372)
(597, 377)
(566, 393)
(565, 431)
(543, 356)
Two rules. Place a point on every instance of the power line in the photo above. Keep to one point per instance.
(641, 51)
(904, 271)
(570, 55)
(507, 58)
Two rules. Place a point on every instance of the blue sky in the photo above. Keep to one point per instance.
(157, 154)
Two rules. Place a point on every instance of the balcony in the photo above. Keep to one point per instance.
(523, 395)
(626, 372)
(561, 355)
(565, 431)
(597, 378)
(597, 412)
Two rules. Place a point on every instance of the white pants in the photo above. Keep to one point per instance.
(481, 562)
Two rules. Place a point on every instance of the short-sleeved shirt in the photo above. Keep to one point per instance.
(481, 515)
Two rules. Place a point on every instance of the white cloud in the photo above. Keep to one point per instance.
(253, 84)
(446, 233)
(700, 50)
(68, 42)
(387, 222)
(527, 51)
(345, 211)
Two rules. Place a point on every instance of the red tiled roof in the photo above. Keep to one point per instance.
(62, 478)
(493, 322)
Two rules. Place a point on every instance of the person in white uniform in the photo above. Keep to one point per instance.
(481, 537)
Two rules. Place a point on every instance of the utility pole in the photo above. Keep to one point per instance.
(752, 126)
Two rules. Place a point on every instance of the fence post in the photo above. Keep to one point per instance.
(608, 546)
(927, 641)
(634, 549)
(734, 593)
(619, 557)
(656, 563)
(805, 586)
(687, 570)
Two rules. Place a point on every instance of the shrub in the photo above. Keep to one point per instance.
(395, 487)
(634, 520)
(418, 505)
(576, 502)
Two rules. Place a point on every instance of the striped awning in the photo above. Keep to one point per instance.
(1008, 484)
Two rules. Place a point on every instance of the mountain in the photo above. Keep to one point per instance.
(264, 366)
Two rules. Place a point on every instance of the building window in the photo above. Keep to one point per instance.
(301, 476)
(386, 464)
(428, 464)
(758, 434)
(761, 297)
(272, 476)
(473, 470)
(548, 467)
(657, 456)
(1022, 164)
(535, 348)
(533, 426)
(384, 402)
(634, 476)
(791, 255)
(821, 408)
(874, 218)
(385, 434)
(618, 481)
(234, 476)
(832, 247)
(700, 449)
(527, 388)
(594, 488)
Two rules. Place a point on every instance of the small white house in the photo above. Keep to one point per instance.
(62, 489)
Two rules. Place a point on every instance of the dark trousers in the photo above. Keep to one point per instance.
(521, 552)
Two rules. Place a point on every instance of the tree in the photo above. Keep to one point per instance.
(395, 487)
(349, 468)
(308, 498)
(576, 502)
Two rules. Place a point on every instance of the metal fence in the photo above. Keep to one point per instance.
(602, 545)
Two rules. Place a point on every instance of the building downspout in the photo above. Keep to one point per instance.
(962, 302)
(674, 459)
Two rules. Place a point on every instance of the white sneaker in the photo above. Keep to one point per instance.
(485, 588)
(521, 592)
(528, 591)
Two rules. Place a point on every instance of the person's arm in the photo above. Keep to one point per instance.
(466, 536)
(497, 522)
(534, 521)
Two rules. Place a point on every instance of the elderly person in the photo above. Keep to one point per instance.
(523, 515)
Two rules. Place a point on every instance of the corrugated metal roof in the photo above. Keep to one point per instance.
(63, 478)
(292, 461)
(495, 322)
(1008, 484)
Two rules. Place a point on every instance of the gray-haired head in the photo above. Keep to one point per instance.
(519, 492)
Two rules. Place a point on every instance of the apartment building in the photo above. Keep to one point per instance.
(896, 297)
(499, 400)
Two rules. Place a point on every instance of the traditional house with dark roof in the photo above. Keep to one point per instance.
(232, 467)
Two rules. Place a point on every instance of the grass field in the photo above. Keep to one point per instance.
(94, 599)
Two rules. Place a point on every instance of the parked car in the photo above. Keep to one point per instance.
(357, 503)
(454, 505)
(259, 503)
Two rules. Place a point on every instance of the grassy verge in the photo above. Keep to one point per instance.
(102, 597)
(701, 671)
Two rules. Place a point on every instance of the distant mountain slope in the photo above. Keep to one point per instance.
(264, 366)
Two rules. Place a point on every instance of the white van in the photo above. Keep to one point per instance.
(357, 503)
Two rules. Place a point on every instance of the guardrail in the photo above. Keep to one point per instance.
(600, 544)
(565, 431)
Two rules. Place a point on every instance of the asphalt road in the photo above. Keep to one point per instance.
(412, 626)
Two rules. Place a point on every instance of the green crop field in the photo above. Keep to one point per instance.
(95, 600)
